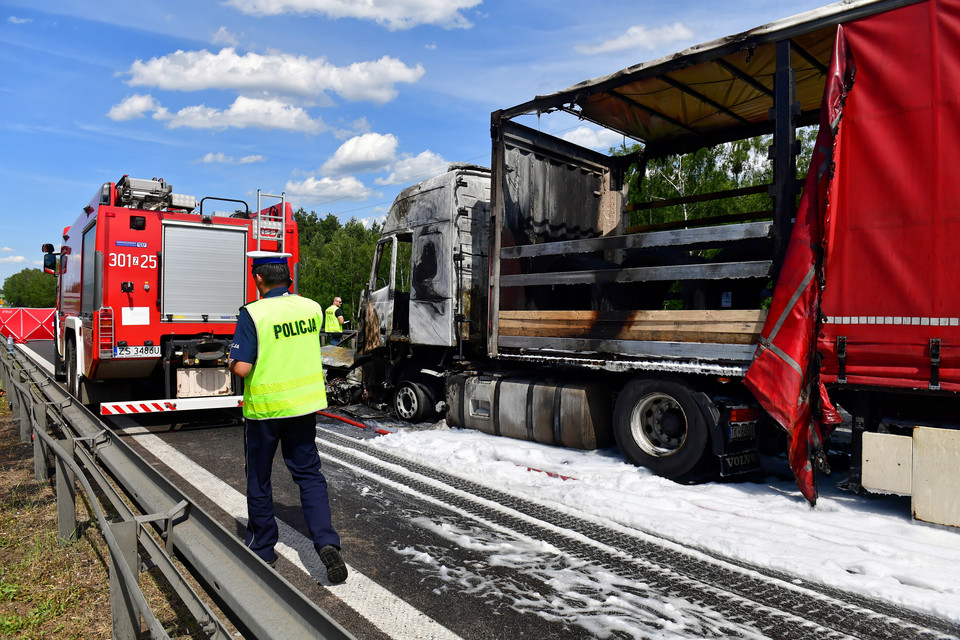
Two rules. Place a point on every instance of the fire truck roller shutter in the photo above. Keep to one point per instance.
(204, 272)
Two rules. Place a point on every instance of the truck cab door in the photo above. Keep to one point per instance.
(378, 318)
(432, 288)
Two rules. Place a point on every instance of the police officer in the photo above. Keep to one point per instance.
(276, 349)
(333, 320)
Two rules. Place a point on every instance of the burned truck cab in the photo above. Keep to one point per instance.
(426, 297)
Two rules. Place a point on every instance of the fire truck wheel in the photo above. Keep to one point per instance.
(411, 401)
(70, 362)
(658, 425)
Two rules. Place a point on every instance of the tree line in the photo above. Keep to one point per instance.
(30, 288)
(335, 259)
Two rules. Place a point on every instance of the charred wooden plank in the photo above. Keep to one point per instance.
(680, 237)
(709, 271)
(708, 326)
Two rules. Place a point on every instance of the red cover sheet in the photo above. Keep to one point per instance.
(892, 258)
(783, 375)
(26, 324)
(877, 225)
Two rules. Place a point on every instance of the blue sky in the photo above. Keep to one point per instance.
(337, 103)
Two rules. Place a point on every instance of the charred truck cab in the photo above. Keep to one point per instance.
(149, 290)
(425, 306)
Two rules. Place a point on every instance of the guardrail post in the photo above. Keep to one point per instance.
(126, 617)
(23, 405)
(5, 379)
(66, 496)
(41, 460)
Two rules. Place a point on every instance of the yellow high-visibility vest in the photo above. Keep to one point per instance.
(332, 324)
(287, 378)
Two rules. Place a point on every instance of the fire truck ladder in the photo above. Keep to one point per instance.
(270, 224)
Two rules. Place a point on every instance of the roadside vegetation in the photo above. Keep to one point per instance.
(53, 590)
(30, 288)
(46, 590)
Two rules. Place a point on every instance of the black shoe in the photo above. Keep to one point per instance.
(336, 569)
(273, 563)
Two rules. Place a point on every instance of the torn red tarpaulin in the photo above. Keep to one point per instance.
(784, 373)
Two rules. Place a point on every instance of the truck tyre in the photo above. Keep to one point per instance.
(412, 401)
(658, 425)
(59, 370)
(70, 363)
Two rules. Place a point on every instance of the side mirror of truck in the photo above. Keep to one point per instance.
(50, 263)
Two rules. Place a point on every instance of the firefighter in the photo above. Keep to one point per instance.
(333, 320)
(276, 349)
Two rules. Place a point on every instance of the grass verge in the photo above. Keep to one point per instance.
(54, 590)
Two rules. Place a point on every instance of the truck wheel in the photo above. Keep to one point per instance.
(412, 401)
(70, 363)
(59, 371)
(658, 425)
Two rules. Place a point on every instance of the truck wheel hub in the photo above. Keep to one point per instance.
(658, 424)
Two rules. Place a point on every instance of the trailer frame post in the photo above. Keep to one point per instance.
(783, 152)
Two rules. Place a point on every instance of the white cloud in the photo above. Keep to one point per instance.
(597, 139)
(16, 20)
(248, 112)
(222, 158)
(394, 14)
(371, 220)
(277, 73)
(420, 167)
(7, 250)
(640, 37)
(136, 106)
(312, 190)
(269, 113)
(368, 152)
(224, 36)
(13, 260)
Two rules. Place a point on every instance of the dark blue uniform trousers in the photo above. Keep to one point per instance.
(297, 440)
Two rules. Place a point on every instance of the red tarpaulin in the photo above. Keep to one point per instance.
(782, 376)
(27, 324)
(892, 259)
(875, 228)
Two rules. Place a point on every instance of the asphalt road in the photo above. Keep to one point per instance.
(425, 549)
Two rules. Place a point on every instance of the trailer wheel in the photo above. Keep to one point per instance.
(658, 425)
(412, 401)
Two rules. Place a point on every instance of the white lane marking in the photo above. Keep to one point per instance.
(39, 359)
(379, 606)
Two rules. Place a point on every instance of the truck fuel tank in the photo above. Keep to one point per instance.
(566, 413)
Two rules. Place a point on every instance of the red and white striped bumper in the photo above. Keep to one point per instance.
(176, 404)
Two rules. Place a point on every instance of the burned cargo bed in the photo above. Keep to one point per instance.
(576, 283)
(579, 272)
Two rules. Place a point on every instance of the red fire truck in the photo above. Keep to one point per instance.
(150, 284)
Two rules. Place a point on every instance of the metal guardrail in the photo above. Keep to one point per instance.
(256, 599)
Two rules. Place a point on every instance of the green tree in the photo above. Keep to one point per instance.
(30, 288)
(335, 259)
(733, 165)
